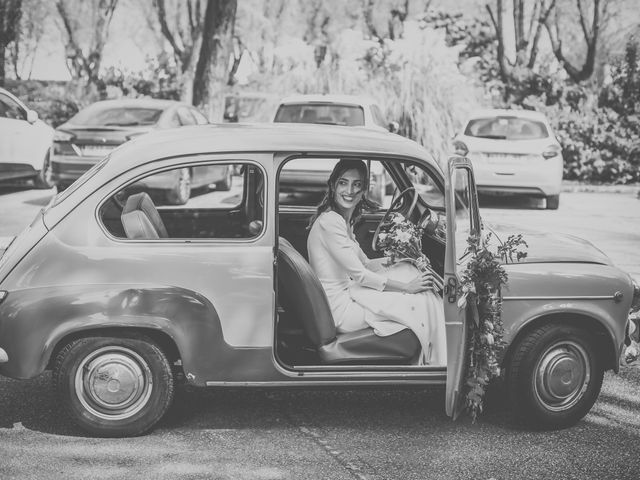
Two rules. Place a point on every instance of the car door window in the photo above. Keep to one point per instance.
(303, 181)
(466, 218)
(10, 109)
(189, 202)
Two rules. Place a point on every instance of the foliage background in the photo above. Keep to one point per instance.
(427, 63)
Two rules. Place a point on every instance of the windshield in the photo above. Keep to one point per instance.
(106, 115)
(331, 114)
(506, 128)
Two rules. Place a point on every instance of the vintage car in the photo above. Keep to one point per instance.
(124, 300)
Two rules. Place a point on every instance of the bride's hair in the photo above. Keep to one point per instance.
(329, 202)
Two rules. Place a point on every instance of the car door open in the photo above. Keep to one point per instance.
(462, 221)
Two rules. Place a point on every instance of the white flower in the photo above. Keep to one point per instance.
(383, 236)
(398, 219)
(403, 236)
(488, 338)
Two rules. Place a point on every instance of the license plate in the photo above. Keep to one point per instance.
(96, 150)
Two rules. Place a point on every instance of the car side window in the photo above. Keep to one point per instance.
(10, 109)
(203, 201)
(303, 181)
(466, 221)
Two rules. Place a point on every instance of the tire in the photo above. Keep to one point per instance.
(554, 377)
(553, 202)
(89, 377)
(43, 180)
(224, 185)
(181, 191)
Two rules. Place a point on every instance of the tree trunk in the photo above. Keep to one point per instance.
(10, 13)
(211, 69)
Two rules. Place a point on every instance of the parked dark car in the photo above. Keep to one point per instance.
(102, 126)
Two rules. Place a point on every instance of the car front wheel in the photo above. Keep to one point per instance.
(114, 387)
(554, 376)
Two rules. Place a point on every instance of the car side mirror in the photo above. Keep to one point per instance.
(32, 116)
(394, 127)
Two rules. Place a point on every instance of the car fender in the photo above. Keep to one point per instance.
(35, 325)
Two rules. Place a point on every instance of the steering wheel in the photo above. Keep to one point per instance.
(395, 204)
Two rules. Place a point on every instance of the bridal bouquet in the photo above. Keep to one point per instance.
(401, 241)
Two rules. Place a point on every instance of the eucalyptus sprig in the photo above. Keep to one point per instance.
(482, 281)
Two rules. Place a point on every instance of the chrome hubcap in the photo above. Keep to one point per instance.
(113, 383)
(562, 376)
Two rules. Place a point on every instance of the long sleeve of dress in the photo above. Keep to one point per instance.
(348, 254)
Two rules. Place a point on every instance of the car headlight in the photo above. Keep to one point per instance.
(62, 136)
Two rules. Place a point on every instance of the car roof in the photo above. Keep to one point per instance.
(138, 103)
(328, 98)
(498, 112)
(263, 137)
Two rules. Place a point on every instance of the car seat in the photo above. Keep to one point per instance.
(140, 218)
(301, 294)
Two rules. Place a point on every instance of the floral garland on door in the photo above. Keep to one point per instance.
(481, 283)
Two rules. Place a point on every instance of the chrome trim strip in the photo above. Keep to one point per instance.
(332, 383)
(552, 297)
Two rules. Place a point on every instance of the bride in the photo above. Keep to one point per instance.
(362, 292)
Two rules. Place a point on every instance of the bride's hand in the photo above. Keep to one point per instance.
(421, 283)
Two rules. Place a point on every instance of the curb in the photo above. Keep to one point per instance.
(586, 188)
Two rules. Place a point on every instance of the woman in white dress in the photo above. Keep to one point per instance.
(363, 292)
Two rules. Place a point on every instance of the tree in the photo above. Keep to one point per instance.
(88, 24)
(212, 67)
(184, 37)
(590, 18)
(518, 28)
(10, 12)
(32, 32)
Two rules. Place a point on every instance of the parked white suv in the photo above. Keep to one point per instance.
(25, 143)
(513, 152)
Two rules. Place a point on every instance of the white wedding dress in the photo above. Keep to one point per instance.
(354, 286)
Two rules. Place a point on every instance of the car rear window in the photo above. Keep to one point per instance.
(506, 128)
(330, 114)
(100, 115)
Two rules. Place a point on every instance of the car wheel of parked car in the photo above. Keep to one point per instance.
(114, 386)
(553, 202)
(225, 184)
(43, 179)
(181, 192)
(554, 376)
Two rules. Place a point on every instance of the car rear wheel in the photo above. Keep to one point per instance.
(114, 387)
(553, 202)
(554, 376)
(43, 179)
(225, 184)
(181, 191)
